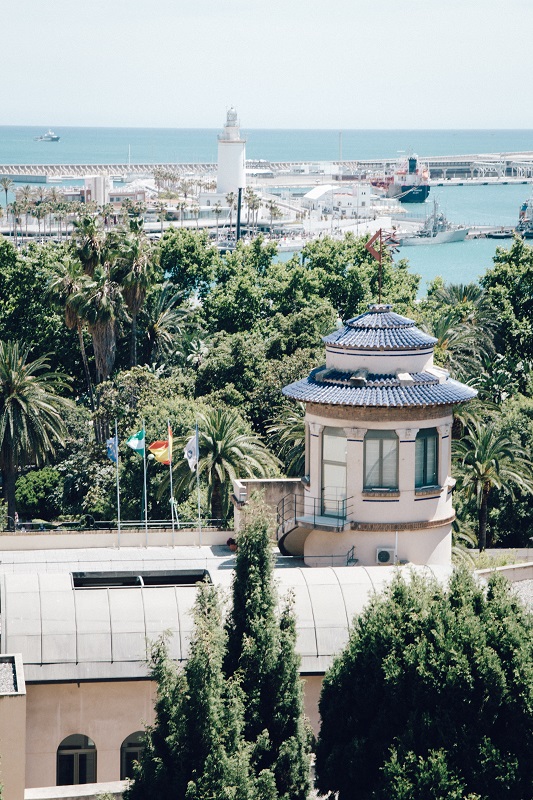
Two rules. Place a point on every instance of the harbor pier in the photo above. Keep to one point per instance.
(477, 166)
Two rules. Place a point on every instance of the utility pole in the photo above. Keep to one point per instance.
(239, 204)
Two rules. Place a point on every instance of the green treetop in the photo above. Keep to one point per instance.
(434, 685)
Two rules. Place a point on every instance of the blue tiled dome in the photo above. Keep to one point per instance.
(337, 388)
(380, 329)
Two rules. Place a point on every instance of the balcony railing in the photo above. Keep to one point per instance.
(324, 512)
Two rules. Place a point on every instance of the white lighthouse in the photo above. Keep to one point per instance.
(231, 156)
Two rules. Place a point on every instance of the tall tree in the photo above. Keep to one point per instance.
(490, 460)
(227, 452)
(195, 749)
(135, 271)
(7, 185)
(433, 681)
(66, 283)
(261, 652)
(231, 202)
(99, 302)
(31, 422)
(88, 242)
(165, 317)
(288, 433)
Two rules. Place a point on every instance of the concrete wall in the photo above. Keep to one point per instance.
(274, 490)
(107, 712)
(44, 540)
(13, 734)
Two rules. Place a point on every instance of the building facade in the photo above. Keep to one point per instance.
(378, 485)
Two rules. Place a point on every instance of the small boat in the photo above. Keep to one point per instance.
(49, 136)
(436, 230)
(525, 220)
(505, 233)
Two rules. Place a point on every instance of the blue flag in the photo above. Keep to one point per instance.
(112, 449)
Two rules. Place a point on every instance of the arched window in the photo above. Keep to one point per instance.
(426, 458)
(381, 460)
(130, 751)
(76, 760)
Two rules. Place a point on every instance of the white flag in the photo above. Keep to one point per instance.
(190, 453)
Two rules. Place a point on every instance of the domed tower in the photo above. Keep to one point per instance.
(378, 488)
(231, 174)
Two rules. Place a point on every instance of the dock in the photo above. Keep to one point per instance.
(477, 167)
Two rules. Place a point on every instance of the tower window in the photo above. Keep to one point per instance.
(426, 458)
(381, 460)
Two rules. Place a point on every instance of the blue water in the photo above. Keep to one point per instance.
(458, 262)
(152, 145)
(467, 205)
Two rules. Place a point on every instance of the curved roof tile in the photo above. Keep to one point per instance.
(380, 329)
(380, 391)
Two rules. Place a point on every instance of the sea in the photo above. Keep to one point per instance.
(468, 205)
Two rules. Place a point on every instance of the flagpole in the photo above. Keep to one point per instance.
(171, 487)
(118, 485)
(145, 492)
(198, 487)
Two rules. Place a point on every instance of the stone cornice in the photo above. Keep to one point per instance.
(401, 526)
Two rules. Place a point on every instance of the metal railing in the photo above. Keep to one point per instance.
(324, 512)
(88, 523)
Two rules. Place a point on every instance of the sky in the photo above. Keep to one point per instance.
(282, 63)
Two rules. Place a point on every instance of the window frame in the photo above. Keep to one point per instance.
(381, 436)
(424, 435)
(74, 751)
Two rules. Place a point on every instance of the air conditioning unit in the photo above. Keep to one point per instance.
(385, 555)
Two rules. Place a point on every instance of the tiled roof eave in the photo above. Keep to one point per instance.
(390, 348)
(419, 396)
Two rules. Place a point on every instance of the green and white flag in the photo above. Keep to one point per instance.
(137, 442)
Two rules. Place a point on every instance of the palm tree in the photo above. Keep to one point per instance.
(195, 210)
(17, 209)
(31, 414)
(288, 433)
(161, 213)
(255, 205)
(490, 460)
(198, 352)
(99, 302)
(274, 211)
(135, 272)
(25, 195)
(66, 283)
(249, 197)
(231, 202)
(7, 185)
(461, 344)
(39, 212)
(88, 242)
(217, 210)
(227, 452)
(165, 319)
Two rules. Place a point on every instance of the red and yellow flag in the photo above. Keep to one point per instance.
(162, 450)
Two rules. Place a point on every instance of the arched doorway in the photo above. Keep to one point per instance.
(76, 760)
(130, 751)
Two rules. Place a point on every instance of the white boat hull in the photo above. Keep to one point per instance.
(443, 237)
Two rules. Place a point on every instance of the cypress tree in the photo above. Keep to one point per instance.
(261, 653)
(155, 774)
(195, 748)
